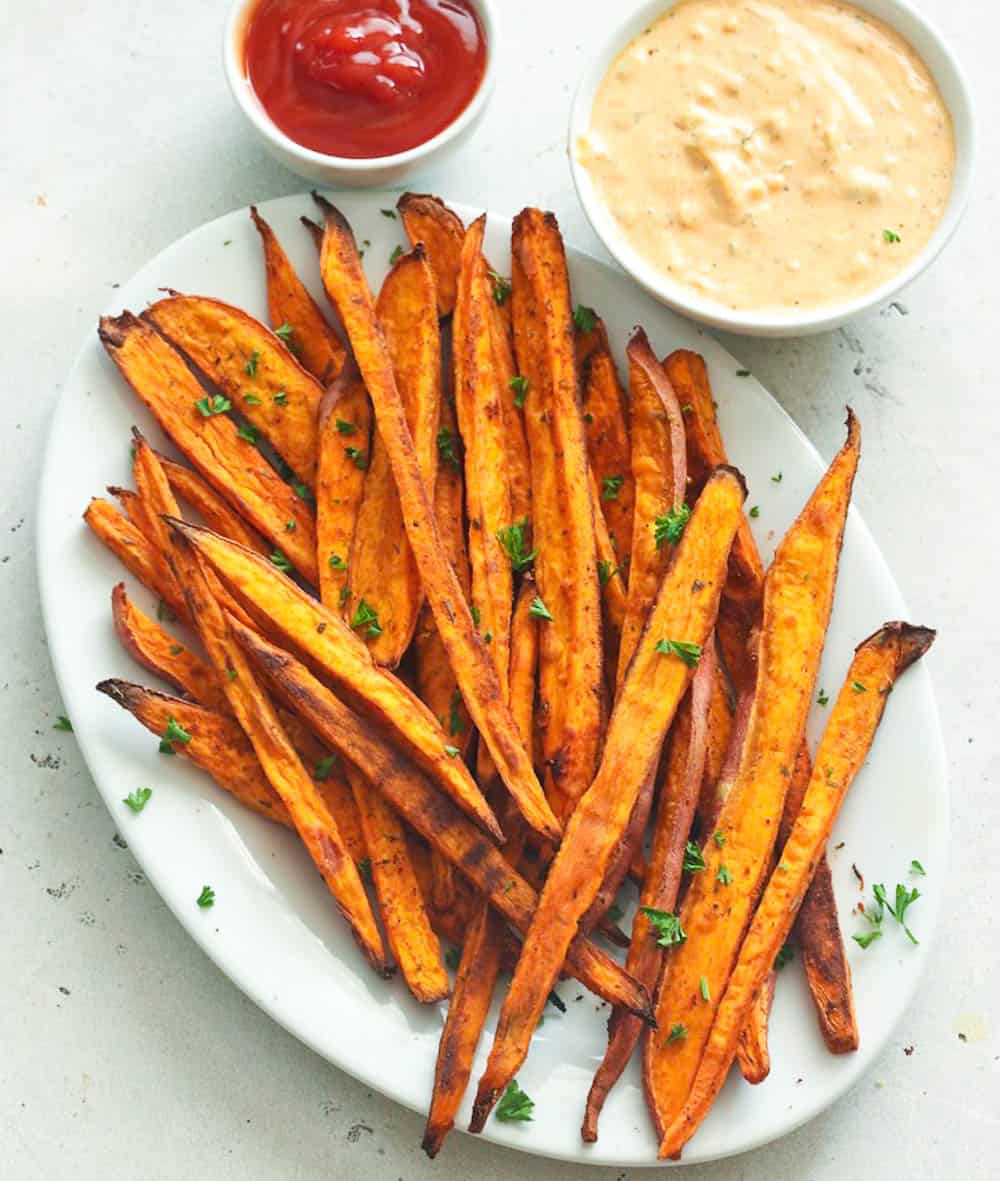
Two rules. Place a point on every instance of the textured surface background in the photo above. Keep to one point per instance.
(125, 1052)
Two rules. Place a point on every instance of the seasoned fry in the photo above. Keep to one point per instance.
(469, 658)
(877, 664)
(659, 471)
(605, 421)
(679, 793)
(428, 220)
(481, 423)
(752, 1049)
(513, 394)
(252, 367)
(323, 637)
(658, 676)
(232, 465)
(570, 658)
(136, 553)
(589, 335)
(217, 515)
(146, 642)
(614, 592)
(430, 812)
(383, 574)
(345, 432)
(293, 312)
(798, 596)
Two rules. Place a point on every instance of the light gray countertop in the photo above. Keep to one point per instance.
(126, 1053)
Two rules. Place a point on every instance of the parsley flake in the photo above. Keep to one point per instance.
(677, 1033)
(611, 486)
(359, 457)
(456, 723)
(584, 318)
(823, 698)
(687, 653)
(515, 1104)
(206, 898)
(703, 989)
(724, 877)
(324, 767)
(249, 434)
(891, 236)
(719, 838)
(365, 616)
(669, 930)
(916, 867)
(539, 610)
(284, 332)
(278, 559)
(396, 255)
(344, 427)
(336, 562)
(858, 687)
(446, 441)
(63, 723)
(138, 799)
(785, 956)
(755, 511)
(281, 397)
(519, 385)
(452, 751)
(252, 399)
(605, 571)
(216, 404)
(173, 733)
(777, 478)
(501, 288)
(512, 538)
(250, 368)
(693, 860)
(671, 526)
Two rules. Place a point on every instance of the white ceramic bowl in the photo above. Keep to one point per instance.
(340, 171)
(775, 322)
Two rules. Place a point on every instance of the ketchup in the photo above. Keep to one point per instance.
(364, 78)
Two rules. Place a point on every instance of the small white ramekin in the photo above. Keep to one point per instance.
(343, 171)
(950, 80)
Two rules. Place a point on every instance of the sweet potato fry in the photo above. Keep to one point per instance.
(797, 599)
(256, 715)
(136, 553)
(469, 658)
(146, 642)
(679, 793)
(252, 367)
(513, 395)
(293, 312)
(345, 433)
(752, 1049)
(414, 945)
(481, 423)
(605, 411)
(659, 471)
(877, 664)
(430, 812)
(215, 513)
(232, 465)
(614, 592)
(571, 657)
(383, 575)
(658, 676)
(589, 335)
(322, 636)
(428, 220)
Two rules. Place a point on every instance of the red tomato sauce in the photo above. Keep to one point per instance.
(364, 78)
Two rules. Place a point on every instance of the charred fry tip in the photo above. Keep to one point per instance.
(139, 437)
(431, 1143)
(257, 220)
(638, 340)
(122, 692)
(730, 470)
(913, 639)
(314, 228)
(332, 213)
(112, 330)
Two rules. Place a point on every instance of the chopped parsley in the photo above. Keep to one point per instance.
(176, 649)
(539, 610)
(396, 255)
(477, 615)
(677, 1033)
(345, 594)
(823, 698)
(456, 723)
(206, 898)
(216, 404)
(785, 956)
(755, 511)
(250, 368)
(703, 988)
(164, 613)
(138, 799)
(289, 526)
(891, 236)
(173, 733)
(671, 526)
(904, 898)
(248, 433)
(605, 571)
(301, 491)
(344, 427)
(278, 559)
(742, 372)
(512, 538)
(365, 616)
(281, 397)
(336, 562)
(501, 288)
(284, 332)
(584, 318)
(365, 869)
(519, 385)
(611, 486)
(324, 767)
(515, 1104)
(724, 877)
(452, 751)
(446, 441)
(686, 652)
(719, 838)
(669, 930)
(858, 687)
(915, 866)
(63, 723)
(693, 860)
(453, 957)
(867, 938)
(390, 213)
(777, 478)
(359, 457)
(252, 399)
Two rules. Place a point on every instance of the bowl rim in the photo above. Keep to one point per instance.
(956, 94)
(237, 20)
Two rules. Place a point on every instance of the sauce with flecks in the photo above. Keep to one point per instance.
(771, 153)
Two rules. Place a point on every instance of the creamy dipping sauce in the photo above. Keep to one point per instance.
(771, 153)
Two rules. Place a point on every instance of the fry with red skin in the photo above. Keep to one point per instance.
(675, 811)
(468, 655)
(382, 572)
(135, 552)
(685, 608)
(252, 367)
(614, 592)
(571, 656)
(214, 511)
(659, 472)
(427, 810)
(330, 645)
(231, 465)
(845, 744)
(605, 420)
(290, 306)
(345, 420)
(798, 597)
(752, 1049)
(428, 220)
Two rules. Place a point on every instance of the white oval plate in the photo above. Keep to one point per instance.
(273, 929)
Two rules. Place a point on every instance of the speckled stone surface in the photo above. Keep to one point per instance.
(125, 1052)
